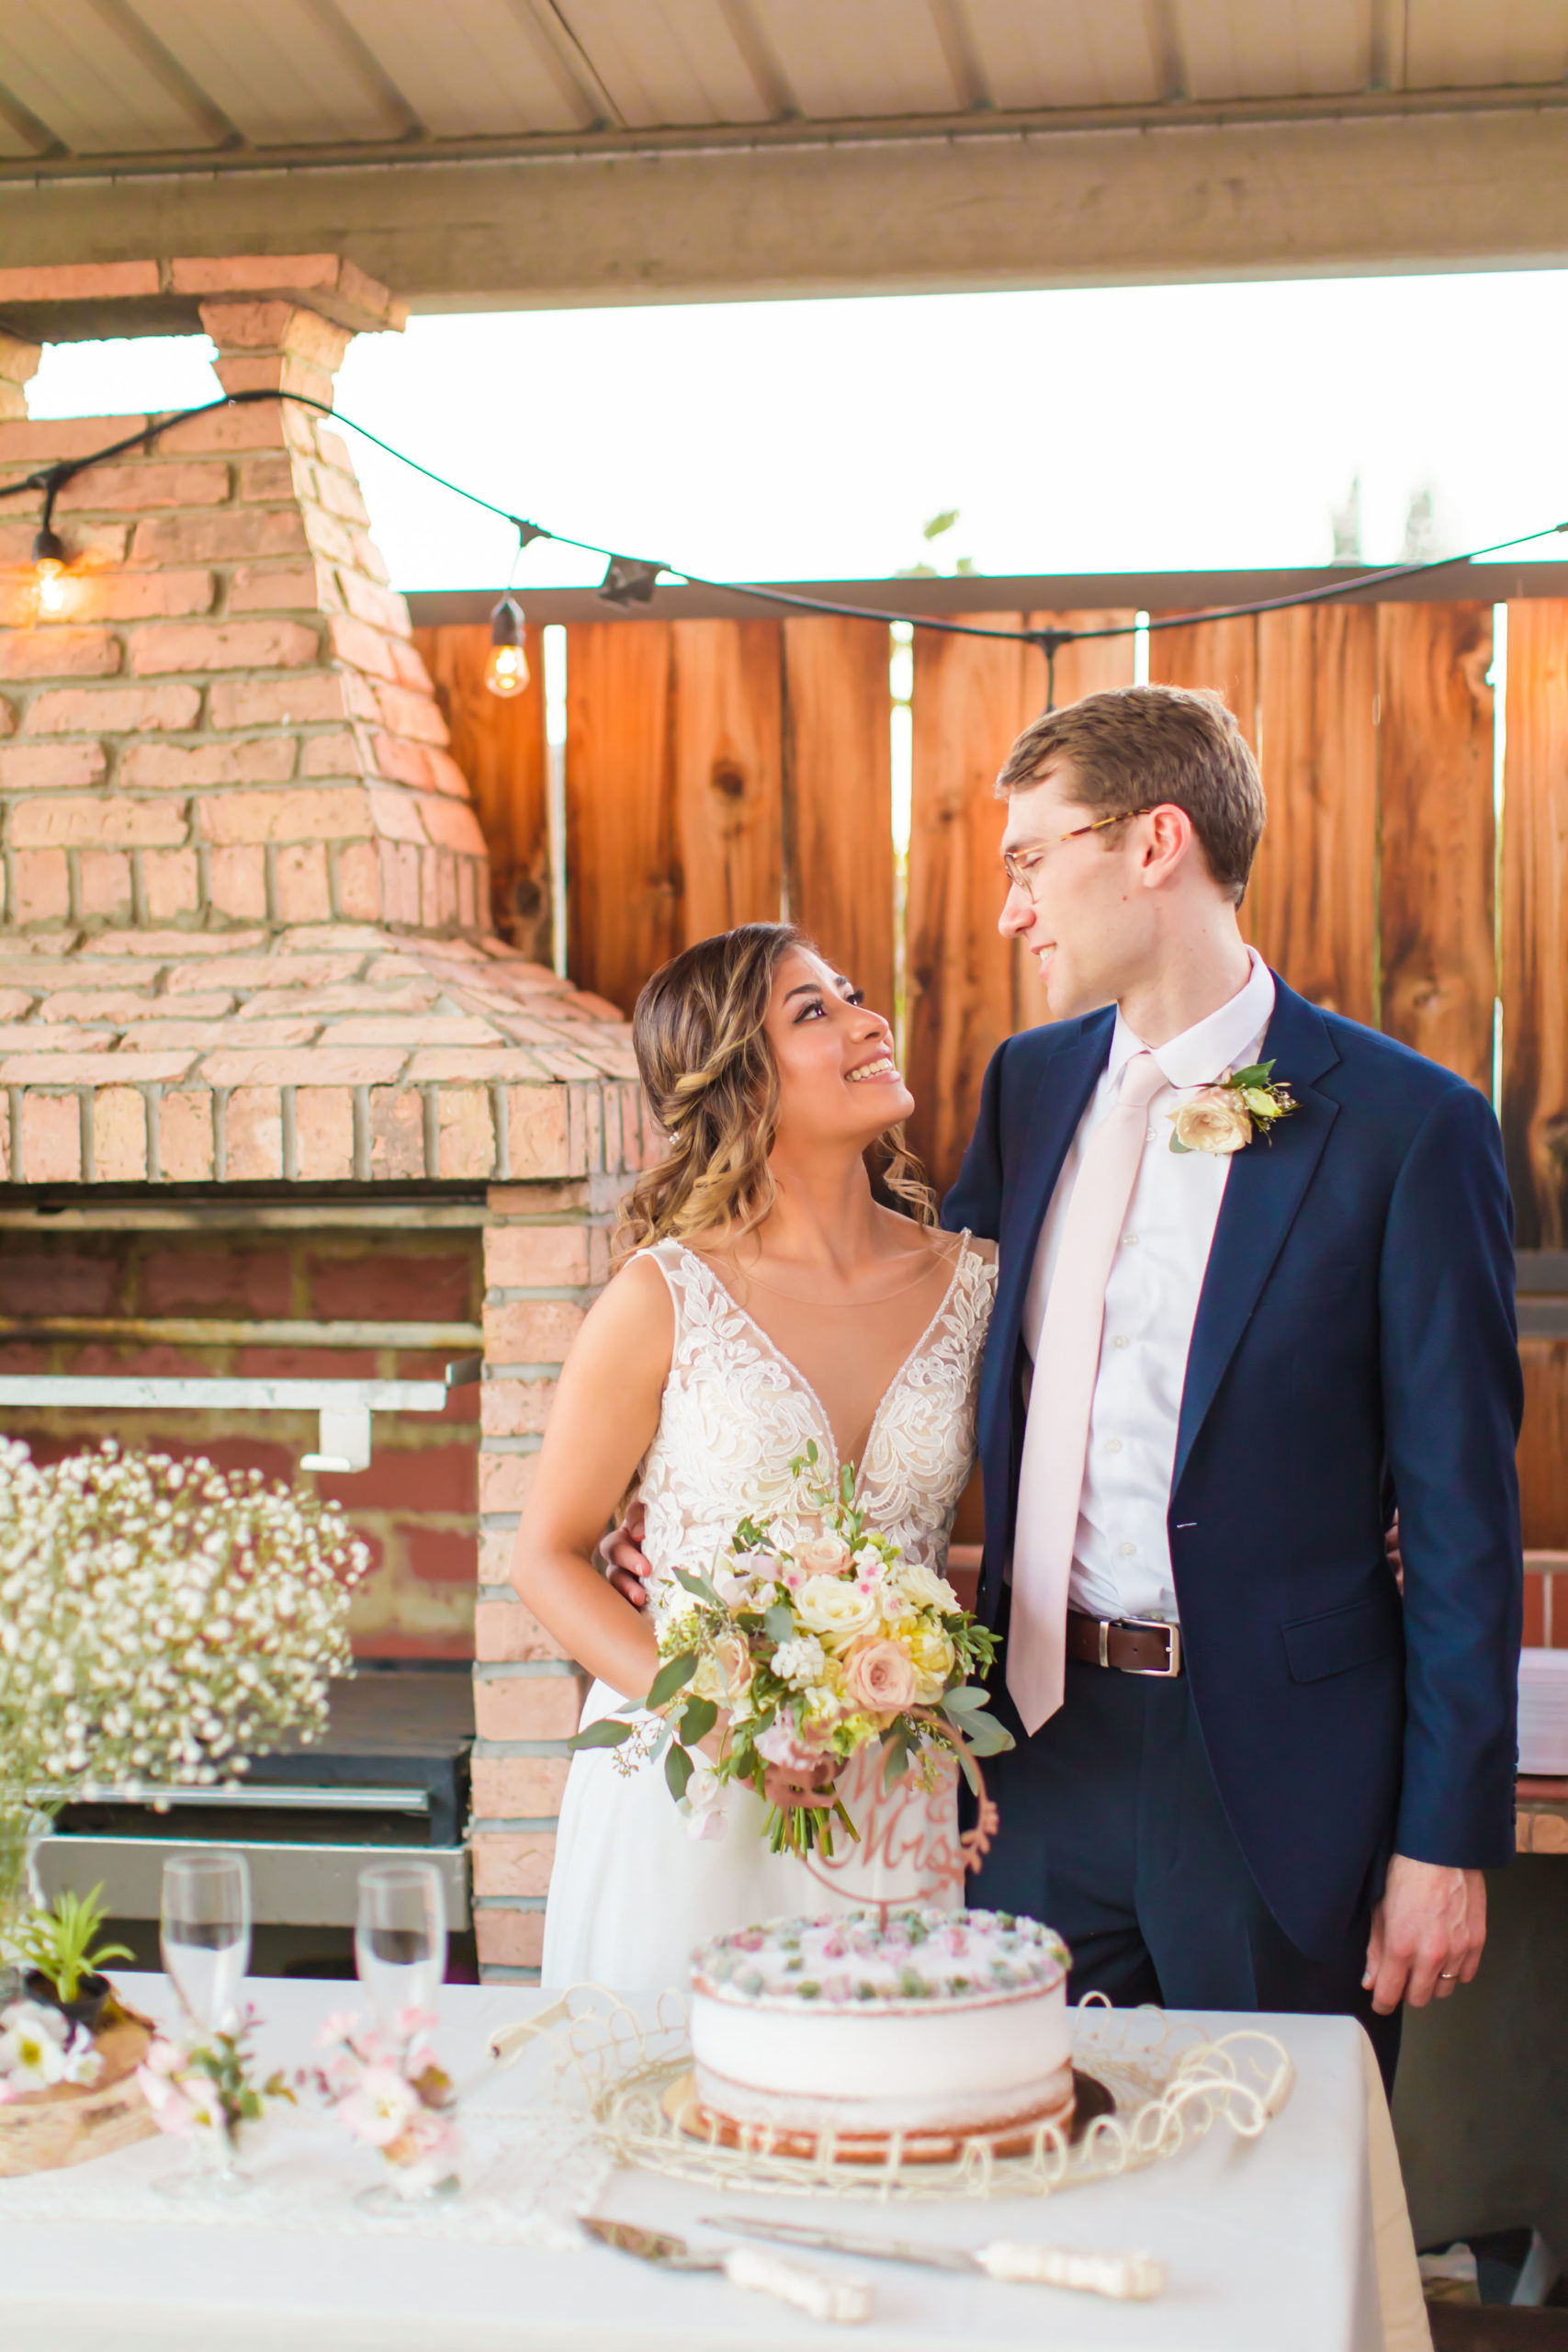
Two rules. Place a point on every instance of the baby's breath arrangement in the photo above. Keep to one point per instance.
(160, 1622)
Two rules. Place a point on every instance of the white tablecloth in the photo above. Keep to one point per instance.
(1269, 2243)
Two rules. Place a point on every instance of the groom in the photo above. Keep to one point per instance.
(1231, 1337)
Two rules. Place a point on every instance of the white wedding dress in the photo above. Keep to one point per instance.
(633, 1890)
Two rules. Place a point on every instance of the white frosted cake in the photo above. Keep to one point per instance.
(941, 2023)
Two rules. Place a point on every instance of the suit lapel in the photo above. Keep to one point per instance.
(1067, 1080)
(1263, 1191)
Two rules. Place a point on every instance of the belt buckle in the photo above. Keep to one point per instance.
(1173, 1646)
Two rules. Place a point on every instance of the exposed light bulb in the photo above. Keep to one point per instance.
(506, 666)
(50, 561)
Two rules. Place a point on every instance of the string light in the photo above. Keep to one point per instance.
(50, 560)
(506, 665)
(628, 580)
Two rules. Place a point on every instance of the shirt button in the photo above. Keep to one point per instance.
(1121, 1341)
(1112, 1445)
(1129, 1242)
(1127, 1550)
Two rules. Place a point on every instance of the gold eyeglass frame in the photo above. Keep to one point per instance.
(1019, 880)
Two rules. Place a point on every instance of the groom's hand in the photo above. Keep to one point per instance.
(629, 1569)
(1427, 1934)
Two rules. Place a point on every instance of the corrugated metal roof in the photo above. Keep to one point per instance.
(145, 78)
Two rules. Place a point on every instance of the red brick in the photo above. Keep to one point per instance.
(397, 814)
(417, 1478)
(518, 1788)
(517, 1862)
(411, 713)
(324, 812)
(329, 538)
(260, 427)
(8, 717)
(446, 775)
(340, 496)
(40, 1279)
(113, 711)
(526, 1706)
(236, 882)
(222, 645)
(312, 1065)
(505, 1479)
(276, 702)
(402, 763)
(141, 595)
(522, 1257)
(509, 1939)
(367, 599)
(59, 653)
(200, 1278)
(51, 1139)
(506, 1632)
(465, 1132)
(185, 1137)
(103, 883)
(35, 440)
(170, 883)
(357, 882)
(308, 1364)
(363, 648)
(323, 1128)
(539, 1137)
(40, 886)
(274, 371)
(276, 587)
(111, 489)
(333, 755)
(148, 824)
(119, 1136)
(441, 1555)
(254, 1135)
(29, 766)
(77, 281)
(266, 759)
(516, 1407)
(98, 1003)
(272, 477)
(243, 535)
(399, 882)
(453, 824)
(391, 1287)
(303, 895)
(531, 1331)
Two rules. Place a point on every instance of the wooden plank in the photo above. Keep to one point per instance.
(500, 746)
(1535, 923)
(1436, 786)
(838, 796)
(623, 897)
(1543, 1450)
(728, 757)
(1212, 657)
(1312, 907)
(969, 701)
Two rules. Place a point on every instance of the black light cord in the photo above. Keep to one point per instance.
(632, 579)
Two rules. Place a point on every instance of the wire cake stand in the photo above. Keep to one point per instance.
(1163, 2088)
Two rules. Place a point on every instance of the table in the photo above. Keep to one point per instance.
(1271, 2242)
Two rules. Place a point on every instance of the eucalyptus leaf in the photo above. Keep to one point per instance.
(699, 1587)
(1255, 1074)
(697, 1719)
(987, 1736)
(672, 1676)
(606, 1732)
(898, 1761)
(1176, 1143)
(677, 1772)
(968, 1696)
(778, 1623)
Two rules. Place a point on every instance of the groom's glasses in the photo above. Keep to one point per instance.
(1020, 866)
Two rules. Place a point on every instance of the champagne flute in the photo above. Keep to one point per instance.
(204, 1938)
(399, 1943)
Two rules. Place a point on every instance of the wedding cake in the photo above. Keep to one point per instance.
(930, 2022)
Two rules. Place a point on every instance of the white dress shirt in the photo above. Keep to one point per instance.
(1121, 1553)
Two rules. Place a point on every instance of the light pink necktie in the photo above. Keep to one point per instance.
(1067, 1363)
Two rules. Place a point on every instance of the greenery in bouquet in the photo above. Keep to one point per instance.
(813, 1638)
(161, 1622)
(210, 2089)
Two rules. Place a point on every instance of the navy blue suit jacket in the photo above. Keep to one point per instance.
(1355, 1347)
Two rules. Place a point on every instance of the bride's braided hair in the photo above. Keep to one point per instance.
(708, 1073)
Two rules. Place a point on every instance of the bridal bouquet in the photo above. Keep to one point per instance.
(816, 1637)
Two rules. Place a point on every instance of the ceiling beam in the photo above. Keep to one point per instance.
(1376, 187)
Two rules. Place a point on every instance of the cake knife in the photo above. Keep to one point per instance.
(844, 2301)
(1132, 2277)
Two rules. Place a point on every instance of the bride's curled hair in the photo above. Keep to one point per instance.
(698, 1031)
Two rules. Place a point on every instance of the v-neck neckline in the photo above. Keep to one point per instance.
(795, 1373)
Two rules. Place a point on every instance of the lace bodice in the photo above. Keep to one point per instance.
(736, 1412)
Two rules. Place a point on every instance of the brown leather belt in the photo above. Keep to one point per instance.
(1133, 1646)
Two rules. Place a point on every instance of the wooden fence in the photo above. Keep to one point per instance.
(722, 770)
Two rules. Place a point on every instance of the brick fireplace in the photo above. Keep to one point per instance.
(270, 1084)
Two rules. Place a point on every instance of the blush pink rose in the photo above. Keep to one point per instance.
(880, 1677)
(781, 1744)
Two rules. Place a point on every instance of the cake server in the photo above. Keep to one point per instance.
(843, 2301)
(1131, 2278)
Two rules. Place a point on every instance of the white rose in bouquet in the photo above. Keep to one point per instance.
(835, 1608)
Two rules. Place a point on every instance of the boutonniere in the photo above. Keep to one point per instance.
(1223, 1117)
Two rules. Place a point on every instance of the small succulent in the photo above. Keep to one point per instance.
(60, 1942)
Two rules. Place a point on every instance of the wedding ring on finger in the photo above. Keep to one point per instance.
(1448, 1976)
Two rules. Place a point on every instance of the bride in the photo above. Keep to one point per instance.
(764, 1298)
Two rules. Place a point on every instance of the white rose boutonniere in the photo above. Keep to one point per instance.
(1225, 1117)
